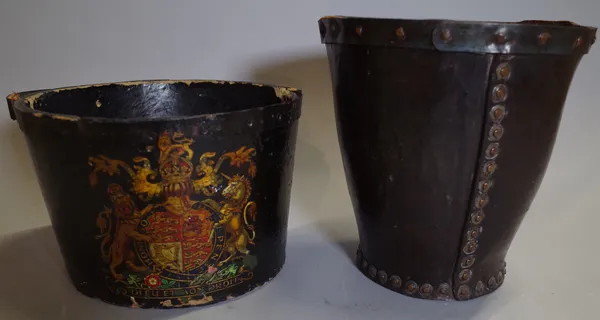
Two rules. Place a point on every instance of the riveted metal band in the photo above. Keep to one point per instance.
(525, 37)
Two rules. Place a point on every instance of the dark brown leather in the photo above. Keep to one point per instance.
(419, 125)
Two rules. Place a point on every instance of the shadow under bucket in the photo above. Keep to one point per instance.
(165, 193)
(446, 129)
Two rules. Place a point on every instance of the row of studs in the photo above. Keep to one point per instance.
(426, 290)
(497, 113)
(480, 288)
(499, 37)
(410, 287)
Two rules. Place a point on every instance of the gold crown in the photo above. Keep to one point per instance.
(175, 158)
(177, 169)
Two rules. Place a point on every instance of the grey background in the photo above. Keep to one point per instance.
(552, 265)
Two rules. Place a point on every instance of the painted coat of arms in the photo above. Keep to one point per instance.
(181, 231)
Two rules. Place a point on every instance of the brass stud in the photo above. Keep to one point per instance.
(492, 283)
(489, 168)
(497, 114)
(443, 289)
(485, 185)
(473, 233)
(543, 38)
(372, 271)
(446, 36)
(400, 33)
(333, 27)
(477, 217)
(496, 131)
(396, 281)
(481, 201)
(500, 38)
(500, 277)
(503, 71)
(382, 277)
(465, 275)
(479, 288)
(578, 42)
(470, 247)
(499, 93)
(467, 262)
(334, 31)
(426, 290)
(464, 292)
(359, 30)
(492, 151)
(411, 287)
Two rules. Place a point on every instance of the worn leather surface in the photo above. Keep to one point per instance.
(414, 125)
(537, 89)
(409, 126)
(70, 139)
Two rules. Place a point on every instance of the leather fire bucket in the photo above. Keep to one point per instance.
(164, 193)
(446, 129)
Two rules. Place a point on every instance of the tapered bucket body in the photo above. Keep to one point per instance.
(446, 129)
(165, 194)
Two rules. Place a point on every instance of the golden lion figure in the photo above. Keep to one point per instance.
(120, 241)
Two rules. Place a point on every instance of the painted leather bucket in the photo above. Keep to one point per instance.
(165, 194)
(446, 129)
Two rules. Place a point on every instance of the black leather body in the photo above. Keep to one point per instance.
(165, 194)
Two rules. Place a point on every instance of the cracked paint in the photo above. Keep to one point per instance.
(192, 302)
(30, 100)
(134, 303)
(14, 96)
(67, 118)
(284, 93)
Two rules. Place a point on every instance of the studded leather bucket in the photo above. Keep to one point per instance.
(165, 193)
(446, 129)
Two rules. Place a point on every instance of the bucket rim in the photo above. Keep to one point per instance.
(22, 101)
(531, 36)
(528, 22)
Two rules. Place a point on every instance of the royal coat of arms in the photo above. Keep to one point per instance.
(191, 235)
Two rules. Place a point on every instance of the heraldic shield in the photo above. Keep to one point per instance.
(179, 240)
(189, 189)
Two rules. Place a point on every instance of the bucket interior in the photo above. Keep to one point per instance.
(154, 99)
(549, 23)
